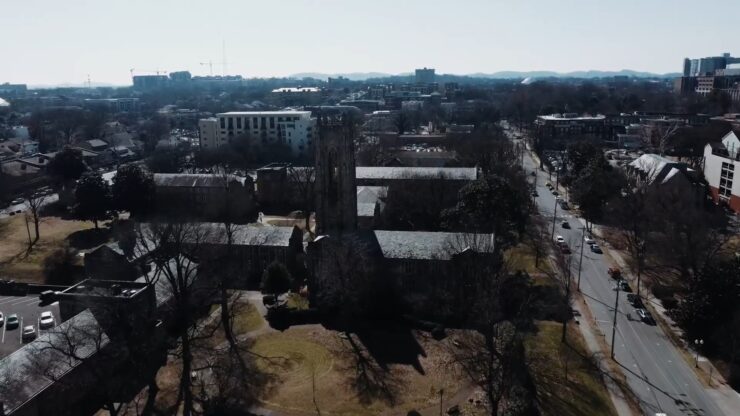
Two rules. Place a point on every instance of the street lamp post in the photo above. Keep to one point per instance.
(614, 324)
(580, 261)
(697, 343)
(554, 216)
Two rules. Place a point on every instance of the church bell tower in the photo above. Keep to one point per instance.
(336, 192)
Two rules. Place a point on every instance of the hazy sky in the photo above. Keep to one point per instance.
(58, 41)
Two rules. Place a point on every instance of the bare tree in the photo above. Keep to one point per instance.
(173, 249)
(35, 202)
(659, 134)
(304, 179)
(498, 312)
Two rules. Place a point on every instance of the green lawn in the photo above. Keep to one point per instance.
(583, 393)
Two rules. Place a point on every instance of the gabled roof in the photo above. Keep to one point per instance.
(189, 180)
(374, 172)
(81, 334)
(249, 235)
(657, 169)
(424, 245)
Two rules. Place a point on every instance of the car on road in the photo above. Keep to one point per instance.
(2, 319)
(634, 300)
(555, 192)
(645, 316)
(29, 333)
(559, 239)
(46, 320)
(534, 193)
(564, 205)
(565, 225)
(548, 185)
(589, 240)
(596, 249)
(12, 322)
(623, 286)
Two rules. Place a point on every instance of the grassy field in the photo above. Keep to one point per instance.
(583, 392)
(522, 257)
(321, 370)
(27, 266)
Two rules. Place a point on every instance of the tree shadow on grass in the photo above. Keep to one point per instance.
(367, 377)
(87, 239)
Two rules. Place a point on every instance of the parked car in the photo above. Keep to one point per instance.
(548, 185)
(565, 225)
(596, 249)
(623, 286)
(29, 333)
(645, 316)
(47, 296)
(534, 193)
(564, 205)
(46, 320)
(555, 192)
(589, 240)
(12, 322)
(559, 239)
(2, 319)
(634, 300)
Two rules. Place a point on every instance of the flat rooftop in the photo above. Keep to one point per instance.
(266, 113)
(105, 288)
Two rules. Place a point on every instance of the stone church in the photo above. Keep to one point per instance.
(417, 262)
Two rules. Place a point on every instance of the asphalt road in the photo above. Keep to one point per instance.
(655, 370)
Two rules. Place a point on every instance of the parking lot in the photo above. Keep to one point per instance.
(28, 310)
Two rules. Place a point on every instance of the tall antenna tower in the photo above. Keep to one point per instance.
(224, 63)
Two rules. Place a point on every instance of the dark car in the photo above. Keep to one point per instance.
(623, 286)
(12, 322)
(634, 300)
(645, 316)
(47, 296)
(556, 193)
(596, 249)
(564, 205)
(534, 193)
(565, 224)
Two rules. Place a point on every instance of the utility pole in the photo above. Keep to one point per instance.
(614, 324)
(580, 261)
(554, 216)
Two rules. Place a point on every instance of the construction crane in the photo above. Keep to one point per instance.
(156, 71)
(210, 64)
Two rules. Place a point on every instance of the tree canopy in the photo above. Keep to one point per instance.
(67, 165)
(276, 279)
(133, 190)
(93, 199)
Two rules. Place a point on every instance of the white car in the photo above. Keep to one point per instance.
(2, 319)
(29, 333)
(559, 239)
(589, 241)
(46, 320)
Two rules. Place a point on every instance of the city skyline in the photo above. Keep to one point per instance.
(65, 43)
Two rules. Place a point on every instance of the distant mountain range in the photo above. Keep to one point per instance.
(361, 76)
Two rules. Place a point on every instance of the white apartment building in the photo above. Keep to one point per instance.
(293, 128)
(721, 164)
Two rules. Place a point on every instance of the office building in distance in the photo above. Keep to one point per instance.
(424, 76)
(289, 127)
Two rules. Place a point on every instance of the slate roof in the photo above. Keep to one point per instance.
(23, 385)
(97, 143)
(249, 235)
(656, 168)
(425, 245)
(189, 180)
(368, 197)
(376, 172)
